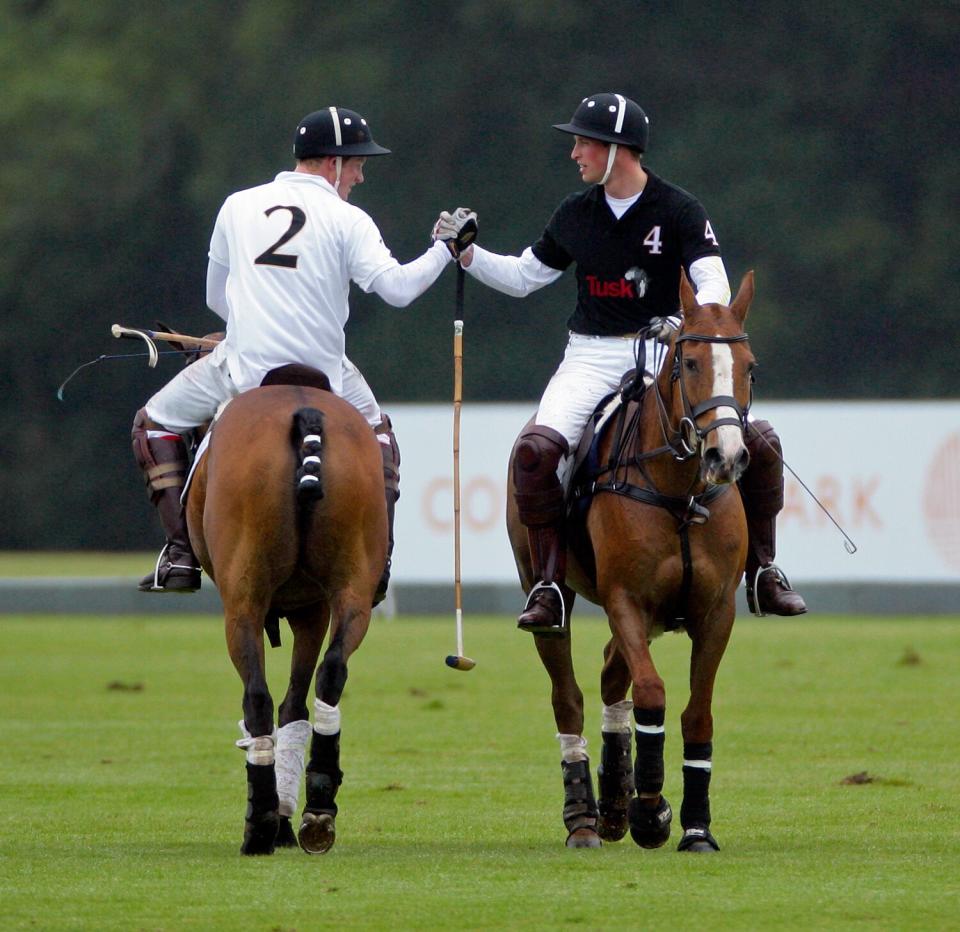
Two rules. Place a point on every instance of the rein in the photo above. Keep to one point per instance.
(683, 443)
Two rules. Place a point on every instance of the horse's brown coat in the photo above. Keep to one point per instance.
(637, 550)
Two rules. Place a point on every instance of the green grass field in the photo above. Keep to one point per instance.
(122, 797)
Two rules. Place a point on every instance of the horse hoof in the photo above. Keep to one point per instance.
(583, 838)
(260, 837)
(650, 828)
(285, 835)
(317, 832)
(698, 840)
(612, 823)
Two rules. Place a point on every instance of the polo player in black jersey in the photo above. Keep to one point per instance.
(628, 234)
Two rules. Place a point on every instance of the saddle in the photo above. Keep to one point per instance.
(589, 475)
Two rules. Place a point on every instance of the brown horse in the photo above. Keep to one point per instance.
(287, 515)
(663, 546)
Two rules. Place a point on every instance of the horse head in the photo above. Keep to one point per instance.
(709, 382)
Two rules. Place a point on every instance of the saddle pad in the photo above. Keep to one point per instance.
(201, 449)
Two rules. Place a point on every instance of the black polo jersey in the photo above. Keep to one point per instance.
(628, 270)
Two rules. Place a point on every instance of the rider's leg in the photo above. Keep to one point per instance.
(188, 400)
(592, 368)
(761, 487)
(540, 504)
(357, 392)
(162, 457)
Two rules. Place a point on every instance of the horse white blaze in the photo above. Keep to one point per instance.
(729, 436)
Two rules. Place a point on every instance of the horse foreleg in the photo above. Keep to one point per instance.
(649, 814)
(309, 628)
(580, 806)
(324, 776)
(244, 630)
(615, 774)
(697, 725)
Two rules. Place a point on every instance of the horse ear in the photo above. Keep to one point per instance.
(741, 303)
(688, 300)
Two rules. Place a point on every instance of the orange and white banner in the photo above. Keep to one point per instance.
(888, 472)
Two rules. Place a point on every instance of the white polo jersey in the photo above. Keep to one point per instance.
(292, 247)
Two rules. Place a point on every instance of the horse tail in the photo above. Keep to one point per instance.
(307, 437)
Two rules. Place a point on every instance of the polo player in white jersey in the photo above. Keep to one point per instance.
(282, 256)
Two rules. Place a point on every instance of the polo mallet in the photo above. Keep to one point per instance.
(149, 336)
(457, 661)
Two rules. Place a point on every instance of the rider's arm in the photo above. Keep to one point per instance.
(710, 280)
(217, 288)
(401, 284)
(513, 275)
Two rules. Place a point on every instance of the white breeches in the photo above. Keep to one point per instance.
(592, 368)
(191, 397)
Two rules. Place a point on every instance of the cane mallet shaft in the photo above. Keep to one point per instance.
(457, 661)
(140, 333)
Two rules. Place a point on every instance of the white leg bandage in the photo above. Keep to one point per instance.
(618, 717)
(259, 750)
(572, 748)
(291, 751)
(326, 718)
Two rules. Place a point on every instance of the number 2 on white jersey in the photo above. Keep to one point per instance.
(284, 260)
(653, 241)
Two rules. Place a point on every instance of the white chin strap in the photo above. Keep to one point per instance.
(618, 128)
(339, 140)
(610, 158)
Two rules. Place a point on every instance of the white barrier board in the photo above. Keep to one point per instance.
(889, 473)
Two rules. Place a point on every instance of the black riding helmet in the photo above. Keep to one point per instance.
(610, 118)
(334, 131)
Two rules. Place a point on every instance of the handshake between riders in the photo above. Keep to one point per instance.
(289, 248)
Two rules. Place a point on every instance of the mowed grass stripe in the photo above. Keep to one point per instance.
(123, 798)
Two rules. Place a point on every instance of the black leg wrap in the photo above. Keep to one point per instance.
(615, 783)
(262, 819)
(579, 803)
(648, 770)
(324, 776)
(649, 824)
(695, 809)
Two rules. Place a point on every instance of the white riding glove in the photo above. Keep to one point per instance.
(457, 230)
(663, 328)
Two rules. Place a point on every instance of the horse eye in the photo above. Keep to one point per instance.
(690, 364)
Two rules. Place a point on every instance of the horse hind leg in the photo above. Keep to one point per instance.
(244, 626)
(309, 628)
(615, 782)
(318, 824)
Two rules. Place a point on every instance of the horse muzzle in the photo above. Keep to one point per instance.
(722, 464)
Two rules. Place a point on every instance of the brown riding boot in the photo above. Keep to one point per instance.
(768, 590)
(390, 451)
(540, 504)
(163, 460)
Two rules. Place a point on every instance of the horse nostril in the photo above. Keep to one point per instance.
(712, 459)
(742, 461)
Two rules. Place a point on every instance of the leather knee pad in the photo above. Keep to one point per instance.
(762, 483)
(163, 462)
(539, 495)
(390, 451)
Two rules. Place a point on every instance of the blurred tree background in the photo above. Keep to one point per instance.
(822, 139)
